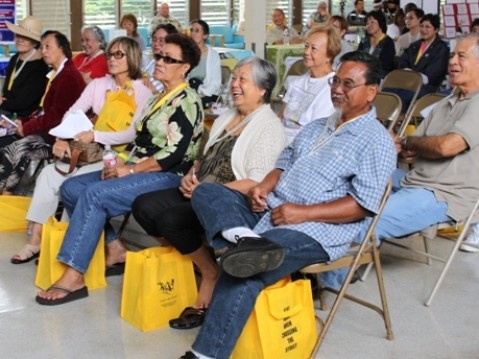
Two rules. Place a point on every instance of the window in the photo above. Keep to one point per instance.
(178, 10)
(285, 5)
(215, 12)
(142, 9)
(54, 14)
(101, 13)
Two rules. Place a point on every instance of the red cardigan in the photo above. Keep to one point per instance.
(64, 90)
(97, 67)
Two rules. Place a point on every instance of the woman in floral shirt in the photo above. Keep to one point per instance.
(167, 141)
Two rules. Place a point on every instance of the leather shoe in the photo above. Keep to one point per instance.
(251, 256)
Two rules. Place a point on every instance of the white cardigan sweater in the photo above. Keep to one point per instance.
(257, 147)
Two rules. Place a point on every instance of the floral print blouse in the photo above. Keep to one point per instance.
(171, 133)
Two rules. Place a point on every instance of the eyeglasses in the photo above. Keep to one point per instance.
(192, 29)
(167, 59)
(347, 85)
(117, 55)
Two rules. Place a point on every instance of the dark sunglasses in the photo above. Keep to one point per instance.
(117, 55)
(166, 59)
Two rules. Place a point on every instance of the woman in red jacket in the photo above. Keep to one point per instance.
(29, 139)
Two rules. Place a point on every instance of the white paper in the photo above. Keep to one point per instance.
(448, 9)
(463, 20)
(462, 9)
(474, 8)
(449, 21)
(73, 123)
(450, 32)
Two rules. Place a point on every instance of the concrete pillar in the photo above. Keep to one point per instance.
(255, 27)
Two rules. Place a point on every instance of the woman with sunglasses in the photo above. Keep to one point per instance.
(206, 77)
(242, 148)
(167, 140)
(114, 101)
(158, 36)
(92, 62)
(29, 138)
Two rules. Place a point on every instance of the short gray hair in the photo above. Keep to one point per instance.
(98, 34)
(473, 36)
(264, 74)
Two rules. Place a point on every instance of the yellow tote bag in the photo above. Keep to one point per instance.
(13, 210)
(158, 284)
(282, 325)
(50, 270)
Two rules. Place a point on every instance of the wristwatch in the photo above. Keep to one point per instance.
(404, 143)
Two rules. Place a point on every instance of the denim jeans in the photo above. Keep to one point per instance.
(219, 208)
(407, 211)
(90, 202)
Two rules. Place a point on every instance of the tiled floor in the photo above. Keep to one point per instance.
(92, 328)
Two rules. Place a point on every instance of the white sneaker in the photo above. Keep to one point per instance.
(472, 238)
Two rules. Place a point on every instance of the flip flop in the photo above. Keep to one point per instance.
(71, 296)
(189, 318)
(29, 252)
(115, 269)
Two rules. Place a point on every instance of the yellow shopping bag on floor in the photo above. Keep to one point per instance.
(159, 283)
(282, 324)
(13, 210)
(50, 270)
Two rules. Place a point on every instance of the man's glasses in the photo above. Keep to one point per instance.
(117, 55)
(167, 59)
(347, 85)
(192, 29)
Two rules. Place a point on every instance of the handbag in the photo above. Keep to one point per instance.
(158, 284)
(49, 270)
(81, 154)
(13, 210)
(282, 324)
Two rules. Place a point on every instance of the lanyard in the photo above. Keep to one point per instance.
(422, 49)
(50, 79)
(15, 73)
(162, 101)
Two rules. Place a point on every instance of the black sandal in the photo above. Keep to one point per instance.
(189, 318)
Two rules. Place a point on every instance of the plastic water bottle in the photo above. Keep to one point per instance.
(286, 36)
(109, 157)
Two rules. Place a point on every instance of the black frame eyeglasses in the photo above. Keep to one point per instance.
(117, 55)
(346, 85)
(167, 59)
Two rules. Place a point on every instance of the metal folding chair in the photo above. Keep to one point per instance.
(388, 108)
(364, 253)
(404, 80)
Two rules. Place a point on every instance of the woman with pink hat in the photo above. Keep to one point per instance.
(26, 72)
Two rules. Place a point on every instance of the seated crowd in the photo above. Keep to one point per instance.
(315, 171)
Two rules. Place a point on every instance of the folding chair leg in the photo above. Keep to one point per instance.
(382, 293)
(458, 243)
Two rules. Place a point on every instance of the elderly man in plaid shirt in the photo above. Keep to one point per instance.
(307, 210)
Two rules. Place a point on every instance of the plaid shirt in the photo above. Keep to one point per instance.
(325, 163)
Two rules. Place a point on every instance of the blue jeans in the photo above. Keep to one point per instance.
(407, 211)
(90, 202)
(219, 208)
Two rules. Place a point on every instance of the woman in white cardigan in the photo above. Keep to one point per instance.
(206, 77)
(243, 146)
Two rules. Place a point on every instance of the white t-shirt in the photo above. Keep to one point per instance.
(306, 99)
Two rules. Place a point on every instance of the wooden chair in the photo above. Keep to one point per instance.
(364, 253)
(388, 108)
